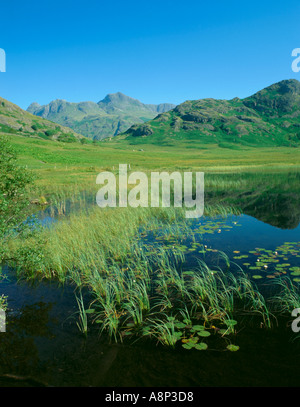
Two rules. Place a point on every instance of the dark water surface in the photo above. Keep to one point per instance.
(43, 346)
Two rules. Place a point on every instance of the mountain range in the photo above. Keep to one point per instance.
(107, 118)
(270, 117)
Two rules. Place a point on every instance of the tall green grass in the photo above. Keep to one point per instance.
(138, 289)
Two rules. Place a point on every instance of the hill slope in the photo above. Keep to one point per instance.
(14, 120)
(269, 117)
(107, 118)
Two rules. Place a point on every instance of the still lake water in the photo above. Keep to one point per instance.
(43, 346)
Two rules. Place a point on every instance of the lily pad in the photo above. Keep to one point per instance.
(295, 273)
(198, 328)
(201, 346)
(203, 333)
(232, 348)
(188, 346)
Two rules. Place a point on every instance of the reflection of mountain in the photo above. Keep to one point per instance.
(271, 198)
(280, 210)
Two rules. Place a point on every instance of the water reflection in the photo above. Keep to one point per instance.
(40, 317)
(272, 198)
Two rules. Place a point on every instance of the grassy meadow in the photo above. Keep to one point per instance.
(63, 165)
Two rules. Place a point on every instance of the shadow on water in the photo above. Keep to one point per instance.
(42, 345)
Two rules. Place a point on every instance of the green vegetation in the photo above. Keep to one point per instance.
(14, 120)
(64, 165)
(133, 262)
(14, 194)
(271, 117)
(138, 287)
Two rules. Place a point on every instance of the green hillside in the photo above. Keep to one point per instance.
(107, 118)
(16, 121)
(271, 117)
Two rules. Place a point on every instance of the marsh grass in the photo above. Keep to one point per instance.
(83, 320)
(288, 297)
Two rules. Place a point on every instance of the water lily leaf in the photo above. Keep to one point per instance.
(203, 333)
(198, 328)
(187, 346)
(232, 348)
(201, 346)
(295, 273)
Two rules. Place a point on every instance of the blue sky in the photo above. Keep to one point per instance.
(154, 51)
